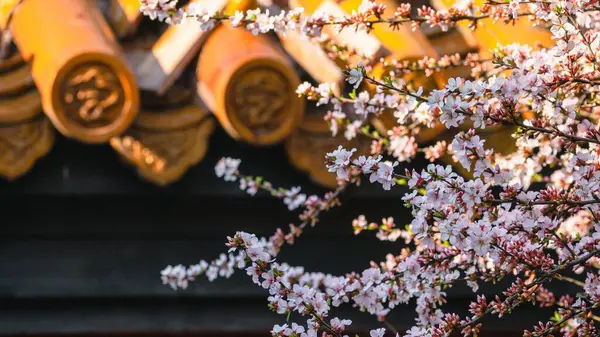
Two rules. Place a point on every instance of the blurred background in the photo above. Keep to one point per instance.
(110, 127)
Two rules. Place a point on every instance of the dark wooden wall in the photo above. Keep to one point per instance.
(83, 240)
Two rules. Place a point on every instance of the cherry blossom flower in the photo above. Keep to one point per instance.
(384, 175)
(377, 332)
(355, 76)
(293, 198)
(340, 161)
(226, 168)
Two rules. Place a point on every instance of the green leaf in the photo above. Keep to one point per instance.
(353, 94)
(557, 317)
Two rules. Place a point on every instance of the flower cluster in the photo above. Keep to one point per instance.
(179, 276)
(530, 214)
(368, 15)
